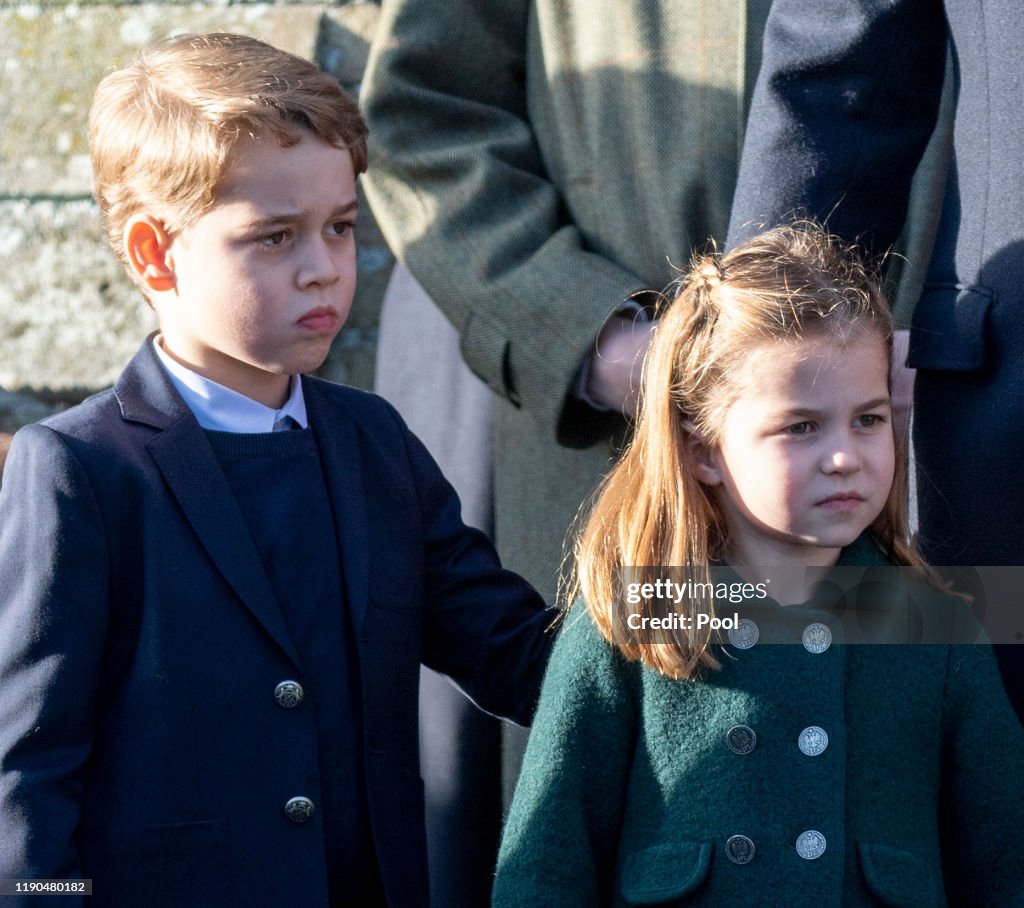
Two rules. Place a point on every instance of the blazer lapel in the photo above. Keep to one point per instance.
(337, 441)
(194, 476)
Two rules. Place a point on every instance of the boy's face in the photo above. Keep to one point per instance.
(806, 461)
(263, 281)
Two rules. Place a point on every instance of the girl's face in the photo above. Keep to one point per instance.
(805, 459)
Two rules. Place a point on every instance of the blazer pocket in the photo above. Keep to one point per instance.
(665, 872)
(178, 864)
(898, 878)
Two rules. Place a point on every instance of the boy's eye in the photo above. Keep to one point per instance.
(341, 228)
(277, 238)
(800, 428)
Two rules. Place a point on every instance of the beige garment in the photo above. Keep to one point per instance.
(421, 372)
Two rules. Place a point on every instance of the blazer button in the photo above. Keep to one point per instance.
(741, 739)
(816, 638)
(810, 845)
(739, 849)
(288, 694)
(812, 741)
(744, 635)
(298, 810)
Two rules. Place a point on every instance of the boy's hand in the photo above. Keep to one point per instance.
(617, 362)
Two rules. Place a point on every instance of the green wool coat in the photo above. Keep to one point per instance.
(630, 792)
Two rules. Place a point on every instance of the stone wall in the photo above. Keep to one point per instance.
(69, 316)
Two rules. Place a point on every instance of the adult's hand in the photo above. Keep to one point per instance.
(617, 362)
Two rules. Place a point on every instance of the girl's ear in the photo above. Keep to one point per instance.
(703, 457)
(146, 246)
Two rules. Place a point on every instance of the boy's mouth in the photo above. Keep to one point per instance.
(321, 319)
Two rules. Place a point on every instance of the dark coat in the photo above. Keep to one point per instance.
(140, 645)
(847, 96)
(635, 785)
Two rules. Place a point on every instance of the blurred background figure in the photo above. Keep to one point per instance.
(849, 93)
(5, 443)
(533, 165)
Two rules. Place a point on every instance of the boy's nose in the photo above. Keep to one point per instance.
(319, 265)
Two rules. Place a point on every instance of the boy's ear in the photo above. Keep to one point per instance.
(703, 457)
(146, 245)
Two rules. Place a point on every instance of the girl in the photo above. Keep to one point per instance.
(690, 767)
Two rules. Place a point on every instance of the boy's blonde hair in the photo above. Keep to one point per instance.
(791, 283)
(162, 128)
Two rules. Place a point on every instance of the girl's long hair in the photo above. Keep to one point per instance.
(787, 284)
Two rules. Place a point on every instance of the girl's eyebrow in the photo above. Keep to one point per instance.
(876, 402)
(812, 413)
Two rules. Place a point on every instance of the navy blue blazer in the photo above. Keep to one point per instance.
(141, 743)
(848, 94)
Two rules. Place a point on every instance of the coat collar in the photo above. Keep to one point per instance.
(194, 477)
(863, 551)
(193, 474)
(146, 394)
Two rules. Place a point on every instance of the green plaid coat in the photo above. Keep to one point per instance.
(533, 163)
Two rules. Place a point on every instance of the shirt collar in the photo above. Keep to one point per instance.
(220, 409)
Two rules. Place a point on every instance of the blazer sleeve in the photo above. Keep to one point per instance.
(483, 626)
(560, 841)
(847, 97)
(460, 192)
(53, 595)
(983, 785)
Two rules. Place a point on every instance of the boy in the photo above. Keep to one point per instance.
(210, 632)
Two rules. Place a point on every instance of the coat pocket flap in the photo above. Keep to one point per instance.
(664, 872)
(898, 878)
(949, 326)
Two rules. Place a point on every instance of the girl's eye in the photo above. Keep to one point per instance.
(800, 428)
(870, 420)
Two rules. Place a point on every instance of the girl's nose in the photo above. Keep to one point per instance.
(841, 460)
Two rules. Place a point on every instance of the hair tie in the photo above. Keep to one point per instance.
(709, 273)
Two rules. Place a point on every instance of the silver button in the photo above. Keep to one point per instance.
(744, 635)
(810, 845)
(812, 741)
(741, 739)
(817, 638)
(288, 694)
(739, 849)
(298, 810)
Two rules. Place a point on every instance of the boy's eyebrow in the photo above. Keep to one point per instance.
(288, 217)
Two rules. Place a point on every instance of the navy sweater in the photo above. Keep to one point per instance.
(277, 480)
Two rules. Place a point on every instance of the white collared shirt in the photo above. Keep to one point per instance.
(222, 410)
